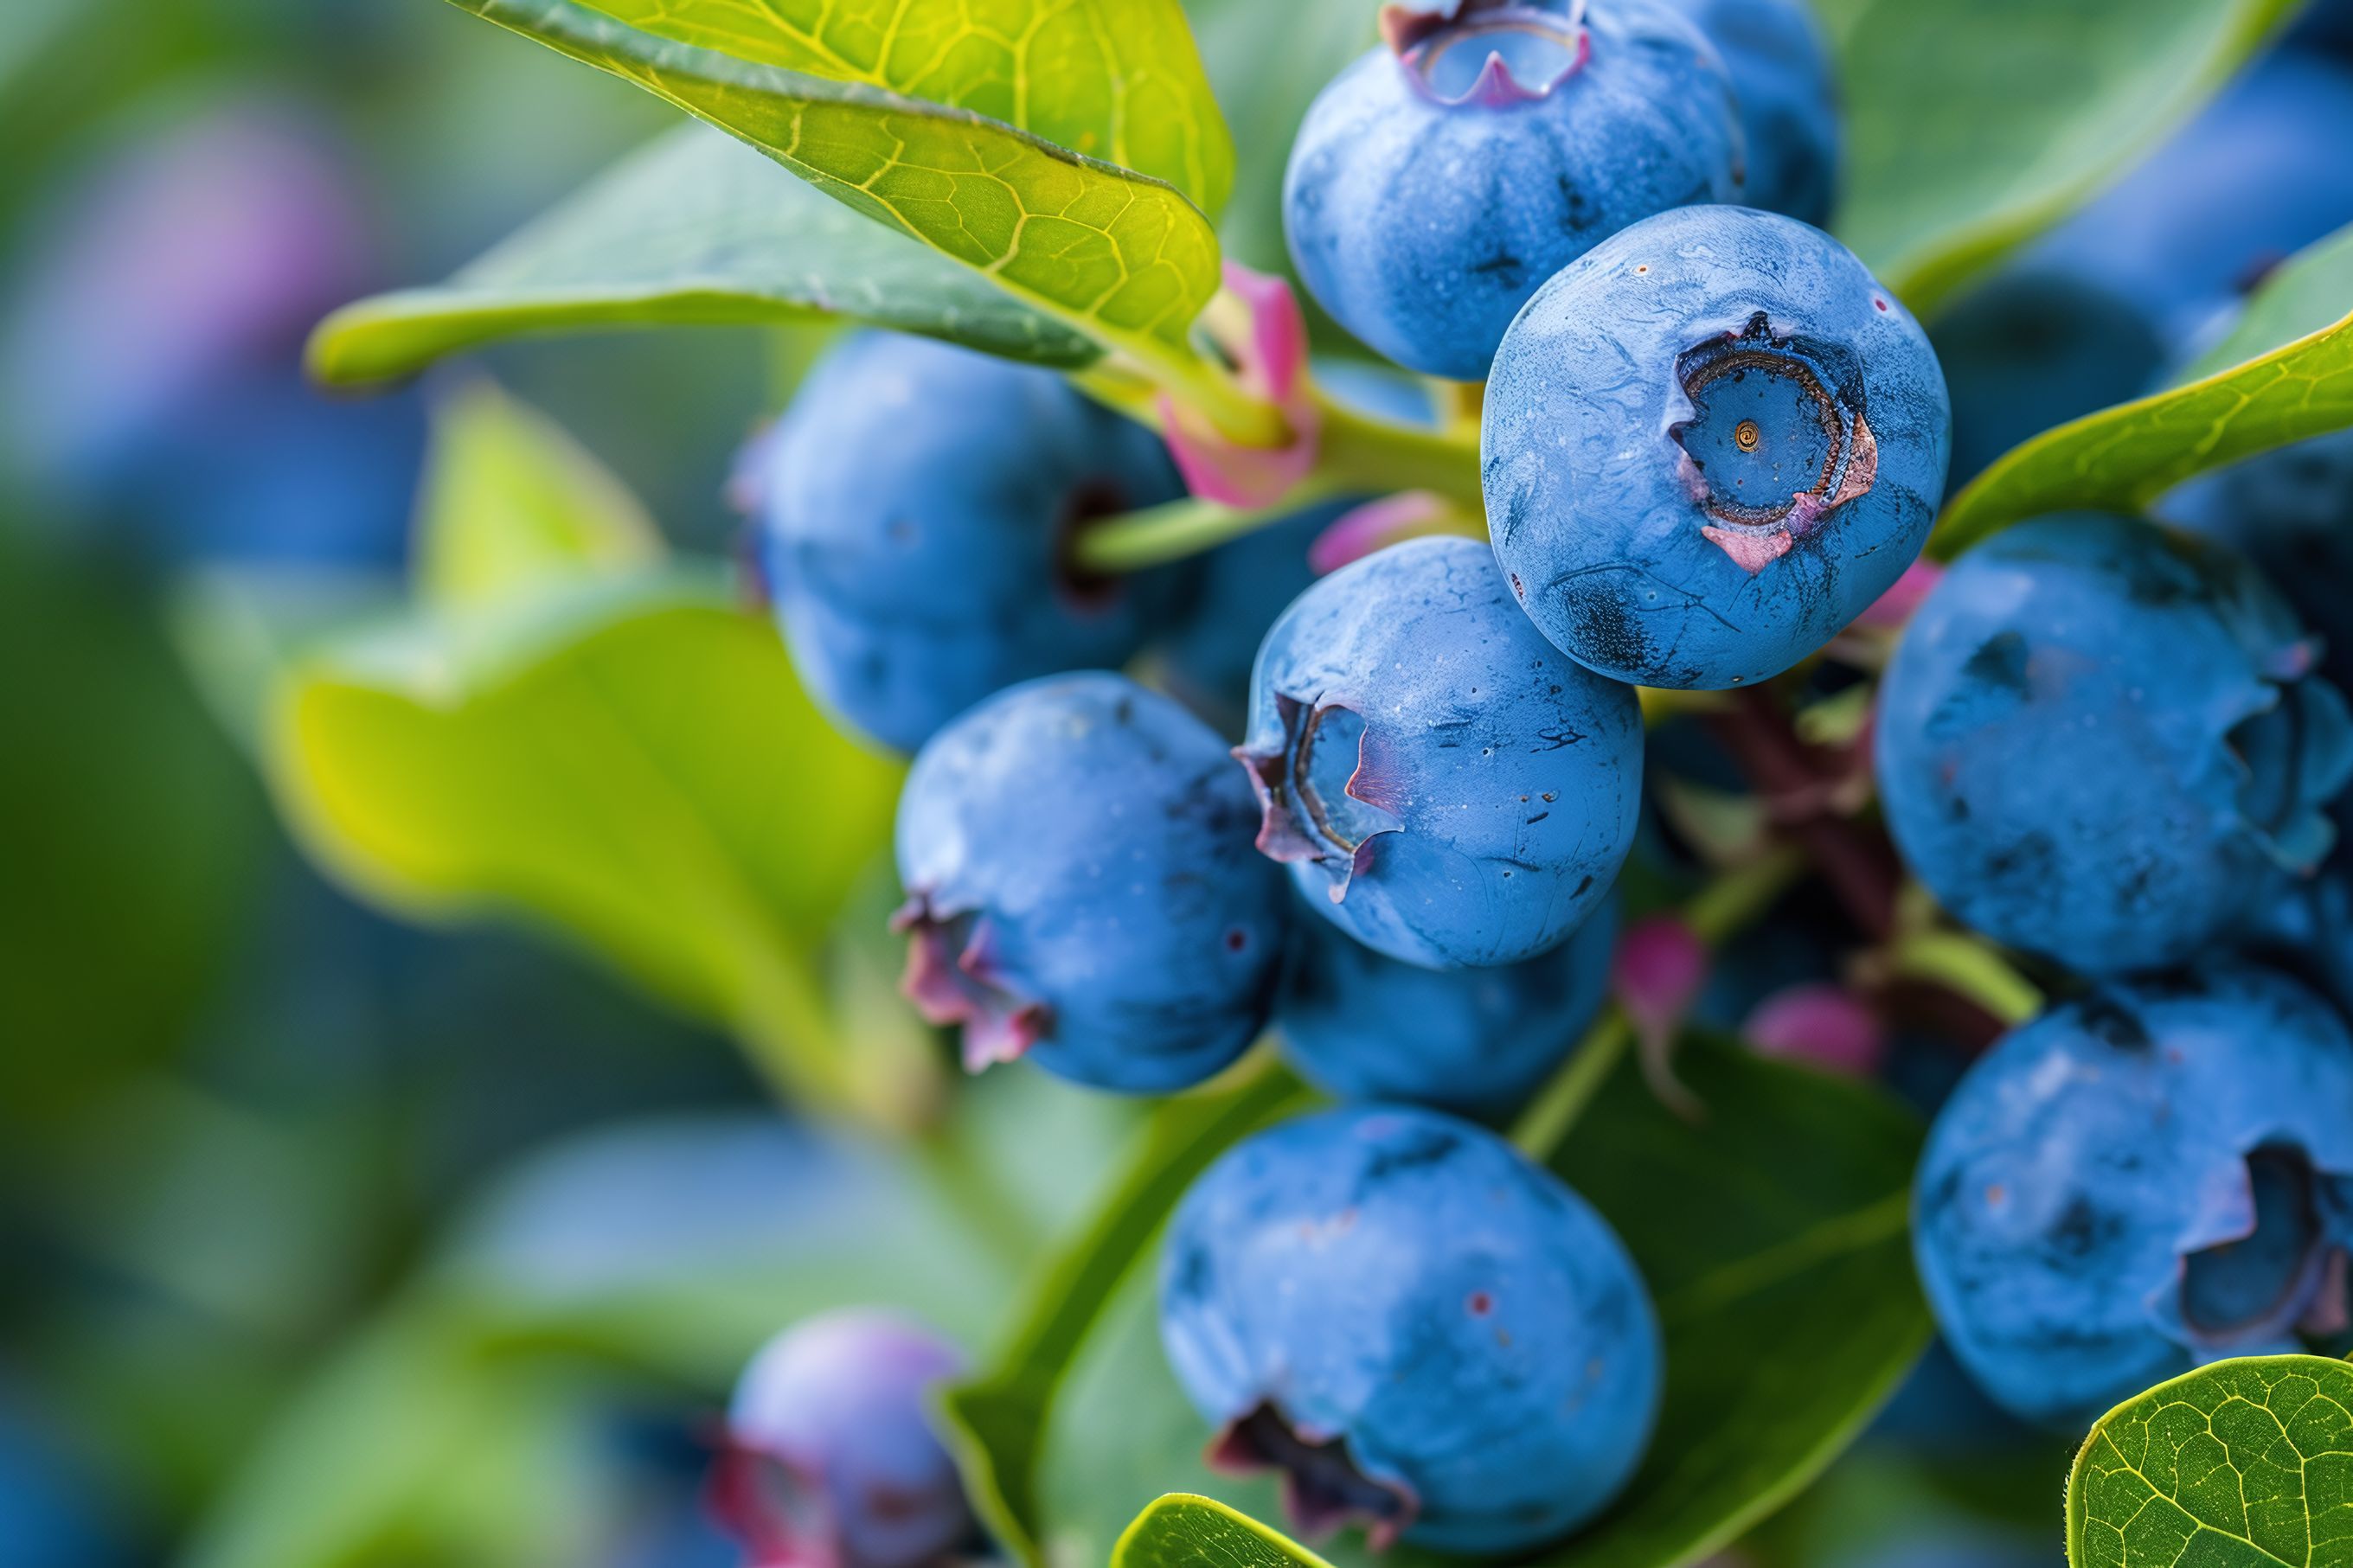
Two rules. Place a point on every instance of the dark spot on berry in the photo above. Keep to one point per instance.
(1481, 1303)
(1999, 662)
(1237, 940)
(2111, 1023)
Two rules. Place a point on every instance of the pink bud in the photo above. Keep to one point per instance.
(1821, 1024)
(1269, 356)
(1660, 968)
(1375, 525)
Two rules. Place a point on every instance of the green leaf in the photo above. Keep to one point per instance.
(1779, 1221)
(2286, 389)
(1119, 257)
(2242, 1464)
(512, 505)
(693, 229)
(1116, 79)
(1970, 127)
(1182, 1531)
(630, 763)
(1000, 1417)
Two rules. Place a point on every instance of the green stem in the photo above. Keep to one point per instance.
(1545, 1125)
(1968, 967)
(1374, 457)
(1716, 913)
(1160, 535)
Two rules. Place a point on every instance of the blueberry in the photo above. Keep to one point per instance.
(1709, 444)
(1444, 785)
(1787, 85)
(830, 1457)
(2247, 184)
(917, 506)
(2097, 742)
(1428, 1334)
(1437, 182)
(1477, 1041)
(2156, 1176)
(2032, 349)
(1081, 886)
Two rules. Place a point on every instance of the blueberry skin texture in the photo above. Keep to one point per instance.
(916, 502)
(2085, 1157)
(1445, 786)
(1421, 224)
(1083, 889)
(1643, 539)
(2097, 742)
(2251, 180)
(1478, 1042)
(841, 1403)
(1412, 1285)
(1787, 85)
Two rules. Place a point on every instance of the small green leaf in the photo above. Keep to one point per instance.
(1780, 1221)
(512, 505)
(694, 229)
(2123, 458)
(1973, 124)
(2241, 1464)
(999, 1416)
(1183, 1531)
(630, 762)
(1119, 257)
(1116, 79)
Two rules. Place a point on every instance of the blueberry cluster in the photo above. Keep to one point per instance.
(1711, 445)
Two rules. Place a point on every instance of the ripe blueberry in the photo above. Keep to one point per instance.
(1444, 785)
(830, 1460)
(2156, 1176)
(1080, 886)
(1444, 176)
(1786, 85)
(1429, 1335)
(917, 506)
(2098, 741)
(1360, 1025)
(1709, 444)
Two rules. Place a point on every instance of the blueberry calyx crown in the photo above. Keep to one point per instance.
(2284, 1274)
(1488, 53)
(772, 1505)
(1322, 1488)
(1771, 446)
(1312, 792)
(955, 975)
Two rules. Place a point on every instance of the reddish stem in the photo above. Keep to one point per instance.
(1798, 791)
